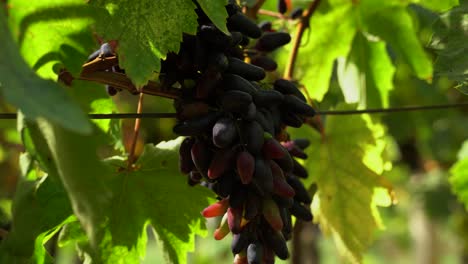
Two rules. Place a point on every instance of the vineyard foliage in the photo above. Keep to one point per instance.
(75, 185)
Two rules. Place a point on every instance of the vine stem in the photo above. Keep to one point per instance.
(302, 26)
(254, 10)
(272, 14)
(136, 132)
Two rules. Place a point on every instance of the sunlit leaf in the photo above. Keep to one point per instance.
(347, 180)
(146, 31)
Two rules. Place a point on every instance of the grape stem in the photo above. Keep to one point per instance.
(272, 14)
(254, 10)
(95, 71)
(136, 132)
(302, 26)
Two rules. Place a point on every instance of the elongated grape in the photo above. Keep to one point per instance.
(217, 209)
(296, 13)
(299, 170)
(280, 186)
(272, 149)
(267, 98)
(291, 119)
(253, 137)
(255, 253)
(301, 212)
(252, 206)
(287, 87)
(287, 221)
(249, 113)
(302, 143)
(201, 156)
(294, 150)
(265, 62)
(234, 219)
(239, 22)
(224, 132)
(275, 240)
(223, 229)
(236, 82)
(282, 201)
(245, 166)
(246, 70)
(222, 161)
(286, 163)
(263, 177)
(295, 104)
(239, 242)
(301, 193)
(282, 7)
(272, 40)
(265, 25)
(235, 101)
(266, 124)
(272, 215)
(185, 156)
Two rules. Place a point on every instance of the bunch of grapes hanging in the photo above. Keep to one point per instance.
(236, 143)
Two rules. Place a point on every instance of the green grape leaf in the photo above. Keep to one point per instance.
(40, 209)
(437, 5)
(332, 33)
(146, 31)
(175, 219)
(450, 40)
(216, 11)
(114, 205)
(34, 96)
(346, 168)
(394, 26)
(53, 32)
(366, 74)
(459, 175)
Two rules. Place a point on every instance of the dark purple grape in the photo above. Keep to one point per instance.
(265, 25)
(282, 7)
(272, 40)
(265, 62)
(246, 70)
(111, 90)
(239, 22)
(224, 132)
(296, 13)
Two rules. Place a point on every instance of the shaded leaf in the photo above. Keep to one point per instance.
(153, 194)
(40, 209)
(216, 11)
(34, 96)
(146, 31)
(438, 5)
(394, 25)
(346, 169)
(115, 205)
(450, 41)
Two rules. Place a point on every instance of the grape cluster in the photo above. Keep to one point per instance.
(236, 143)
